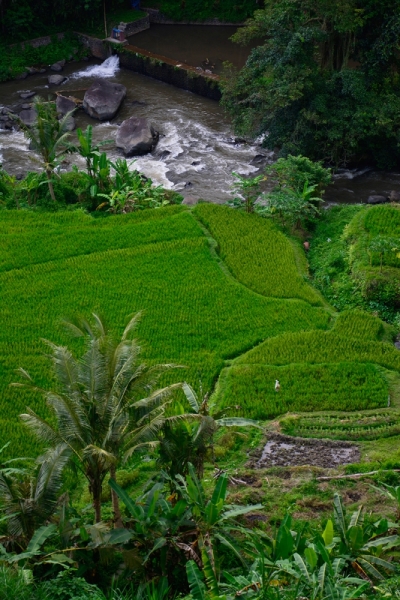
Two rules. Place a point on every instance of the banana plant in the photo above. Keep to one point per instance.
(88, 150)
(192, 524)
(191, 441)
(362, 545)
(392, 492)
(215, 521)
(156, 524)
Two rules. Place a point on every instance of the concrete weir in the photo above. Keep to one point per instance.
(153, 65)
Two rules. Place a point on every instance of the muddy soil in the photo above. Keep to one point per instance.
(285, 451)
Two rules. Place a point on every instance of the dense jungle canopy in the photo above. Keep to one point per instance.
(324, 81)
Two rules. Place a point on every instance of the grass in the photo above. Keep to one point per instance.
(316, 347)
(257, 253)
(114, 18)
(65, 264)
(382, 220)
(359, 324)
(200, 313)
(356, 427)
(250, 389)
(212, 313)
(15, 60)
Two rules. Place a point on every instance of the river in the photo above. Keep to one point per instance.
(197, 151)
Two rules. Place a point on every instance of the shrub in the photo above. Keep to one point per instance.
(346, 262)
(67, 587)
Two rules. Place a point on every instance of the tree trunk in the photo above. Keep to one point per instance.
(49, 181)
(115, 501)
(105, 18)
(95, 492)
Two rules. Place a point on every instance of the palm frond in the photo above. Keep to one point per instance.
(131, 325)
(65, 367)
(157, 396)
(43, 430)
(49, 477)
(93, 371)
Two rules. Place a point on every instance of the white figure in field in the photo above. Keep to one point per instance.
(277, 385)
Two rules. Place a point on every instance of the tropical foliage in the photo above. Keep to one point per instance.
(355, 258)
(323, 80)
(105, 405)
(126, 190)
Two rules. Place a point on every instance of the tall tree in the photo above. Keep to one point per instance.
(48, 136)
(324, 82)
(105, 404)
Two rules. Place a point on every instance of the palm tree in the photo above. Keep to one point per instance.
(29, 495)
(105, 405)
(48, 136)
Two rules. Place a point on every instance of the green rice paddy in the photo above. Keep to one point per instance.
(253, 317)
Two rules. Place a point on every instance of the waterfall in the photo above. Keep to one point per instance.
(108, 68)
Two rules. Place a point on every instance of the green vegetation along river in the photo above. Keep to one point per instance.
(197, 150)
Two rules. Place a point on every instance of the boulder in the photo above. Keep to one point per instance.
(259, 159)
(136, 136)
(394, 196)
(25, 94)
(58, 66)
(70, 123)
(64, 105)
(103, 99)
(190, 200)
(28, 116)
(5, 122)
(13, 108)
(56, 79)
(375, 199)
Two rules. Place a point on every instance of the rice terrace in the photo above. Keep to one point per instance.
(222, 294)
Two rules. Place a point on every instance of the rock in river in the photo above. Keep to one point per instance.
(56, 79)
(58, 66)
(28, 116)
(103, 99)
(375, 199)
(136, 136)
(64, 105)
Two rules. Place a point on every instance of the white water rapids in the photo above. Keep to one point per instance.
(196, 153)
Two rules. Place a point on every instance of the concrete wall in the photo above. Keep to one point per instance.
(96, 46)
(138, 25)
(157, 17)
(41, 41)
(170, 71)
(156, 66)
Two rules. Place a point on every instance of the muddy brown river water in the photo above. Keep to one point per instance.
(197, 151)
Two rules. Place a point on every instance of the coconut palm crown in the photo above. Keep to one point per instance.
(106, 404)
